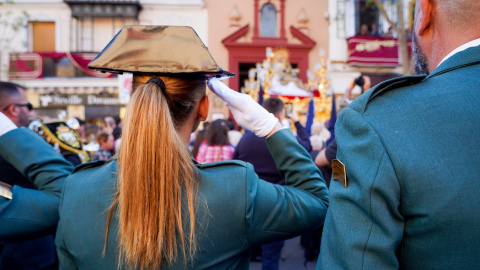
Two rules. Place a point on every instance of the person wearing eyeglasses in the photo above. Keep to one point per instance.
(31, 180)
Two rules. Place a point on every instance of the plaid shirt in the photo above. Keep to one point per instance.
(211, 153)
(102, 154)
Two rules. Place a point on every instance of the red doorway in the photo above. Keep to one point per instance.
(242, 54)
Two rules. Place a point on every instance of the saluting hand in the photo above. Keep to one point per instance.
(246, 111)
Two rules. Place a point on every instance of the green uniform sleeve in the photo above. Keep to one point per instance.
(31, 212)
(363, 227)
(277, 212)
(65, 259)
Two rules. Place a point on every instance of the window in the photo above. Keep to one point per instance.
(42, 36)
(268, 21)
(367, 14)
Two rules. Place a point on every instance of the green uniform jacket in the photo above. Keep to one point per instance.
(412, 155)
(31, 212)
(242, 210)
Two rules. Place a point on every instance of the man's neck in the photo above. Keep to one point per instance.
(472, 43)
(445, 44)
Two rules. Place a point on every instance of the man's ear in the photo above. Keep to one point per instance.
(425, 16)
(11, 111)
(203, 108)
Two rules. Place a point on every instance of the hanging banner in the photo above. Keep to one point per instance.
(26, 66)
(364, 50)
(31, 65)
(81, 60)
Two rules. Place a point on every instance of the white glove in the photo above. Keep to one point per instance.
(6, 124)
(246, 111)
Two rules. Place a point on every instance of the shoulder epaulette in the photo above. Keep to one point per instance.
(395, 83)
(88, 165)
(221, 164)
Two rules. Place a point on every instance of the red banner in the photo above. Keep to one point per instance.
(364, 50)
(26, 66)
(31, 65)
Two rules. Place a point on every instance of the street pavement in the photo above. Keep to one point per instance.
(293, 258)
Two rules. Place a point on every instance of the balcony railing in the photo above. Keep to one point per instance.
(32, 65)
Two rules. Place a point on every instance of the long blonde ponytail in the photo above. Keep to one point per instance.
(156, 176)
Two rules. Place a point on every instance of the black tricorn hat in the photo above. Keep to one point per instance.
(160, 50)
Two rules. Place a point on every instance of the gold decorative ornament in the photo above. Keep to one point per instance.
(276, 70)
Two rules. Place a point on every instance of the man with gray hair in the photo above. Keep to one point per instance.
(407, 168)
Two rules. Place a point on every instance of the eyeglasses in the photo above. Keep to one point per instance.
(28, 105)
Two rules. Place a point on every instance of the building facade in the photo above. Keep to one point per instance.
(353, 53)
(50, 48)
(241, 31)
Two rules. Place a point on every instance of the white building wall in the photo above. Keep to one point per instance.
(342, 26)
(177, 3)
(37, 1)
(195, 16)
(337, 47)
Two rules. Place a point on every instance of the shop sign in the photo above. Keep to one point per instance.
(87, 100)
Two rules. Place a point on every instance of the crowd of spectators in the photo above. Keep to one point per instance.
(221, 140)
(375, 31)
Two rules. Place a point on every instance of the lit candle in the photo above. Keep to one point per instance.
(251, 73)
(266, 64)
(269, 51)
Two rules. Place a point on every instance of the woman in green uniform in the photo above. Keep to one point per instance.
(154, 207)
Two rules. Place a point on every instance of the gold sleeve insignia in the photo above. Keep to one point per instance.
(339, 172)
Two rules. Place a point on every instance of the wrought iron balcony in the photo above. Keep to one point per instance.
(104, 8)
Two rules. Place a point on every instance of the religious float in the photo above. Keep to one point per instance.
(275, 76)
